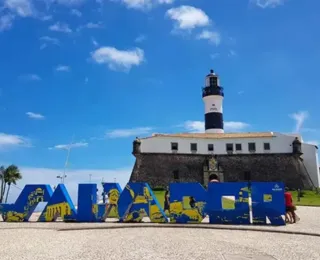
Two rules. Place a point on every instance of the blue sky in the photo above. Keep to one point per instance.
(108, 71)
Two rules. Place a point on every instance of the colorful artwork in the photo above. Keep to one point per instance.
(138, 201)
(59, 205)
(228, 203)
(187, 202)
(113, 191)
(26, 203)
(224, 203)
(88, 209)
(268, 203)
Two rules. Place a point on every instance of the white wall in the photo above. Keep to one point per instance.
(280, 143)
(310, 160)
(160, 144)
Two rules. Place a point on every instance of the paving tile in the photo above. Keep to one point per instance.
(248, 257)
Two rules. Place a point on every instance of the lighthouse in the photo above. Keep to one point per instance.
(212, 96)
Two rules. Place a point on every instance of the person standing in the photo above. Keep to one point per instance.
(166, 201)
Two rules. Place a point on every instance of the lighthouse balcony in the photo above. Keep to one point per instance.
(209, 91)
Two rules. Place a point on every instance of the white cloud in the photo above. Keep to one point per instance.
(91, 25)
(46, 17)
(46, 40)
(215, 56)
(50, 40)
(144, 4)
(76, 12)
(232, 53)
(63, 68)
(118, 59)
(60, 27)
(94, 25)
(213, 37)
(35, 115)
(198, 126)
(140, 38)
(71, 146)
(300, 118)
(6, 22)
(94, 42)
(70, 2)
(194, 126)
(32, 77)
(9, 140)
(122, 133)
(33, 175)
(231, 126)
(268, 3)
(313, 142)
(67, 3)
(23, 8)
(188, 17)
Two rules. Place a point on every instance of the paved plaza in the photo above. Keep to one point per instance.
(150, 241)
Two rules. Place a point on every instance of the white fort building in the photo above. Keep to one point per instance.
(192, 157)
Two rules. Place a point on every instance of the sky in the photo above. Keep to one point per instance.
(99, 73)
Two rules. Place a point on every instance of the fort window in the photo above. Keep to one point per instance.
(252, 146)
(210, 147)
(229, 147)
(193, 147)
(238, 147)
(174, 146)
(266, 146)
(176, 174)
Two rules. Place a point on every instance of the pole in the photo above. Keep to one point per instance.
(67, 161)
(90, 177)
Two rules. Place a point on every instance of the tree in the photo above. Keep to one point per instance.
(2, 183)
(10, 176)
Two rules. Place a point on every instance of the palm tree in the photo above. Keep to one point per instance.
(11, 176)
(2, 183)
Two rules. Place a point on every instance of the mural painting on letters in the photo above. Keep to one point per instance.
(224, 203)
(138, 201)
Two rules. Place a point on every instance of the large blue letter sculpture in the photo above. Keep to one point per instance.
(228, 204)
(26, 203)
(138, 201)
(187, 202)
(224, 203)
(268, 202)
(59, 205)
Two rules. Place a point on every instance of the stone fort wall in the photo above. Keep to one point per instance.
(161, 169)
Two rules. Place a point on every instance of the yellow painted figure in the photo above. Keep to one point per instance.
(155, 214)
(112, 206)
(60, 209)
(194, 215)
(13, 216)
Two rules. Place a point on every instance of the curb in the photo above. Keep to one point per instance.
(191, 226)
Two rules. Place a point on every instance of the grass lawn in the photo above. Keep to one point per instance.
(310, 198)
(160, 197)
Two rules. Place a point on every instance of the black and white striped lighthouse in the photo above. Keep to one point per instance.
(212, 95)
